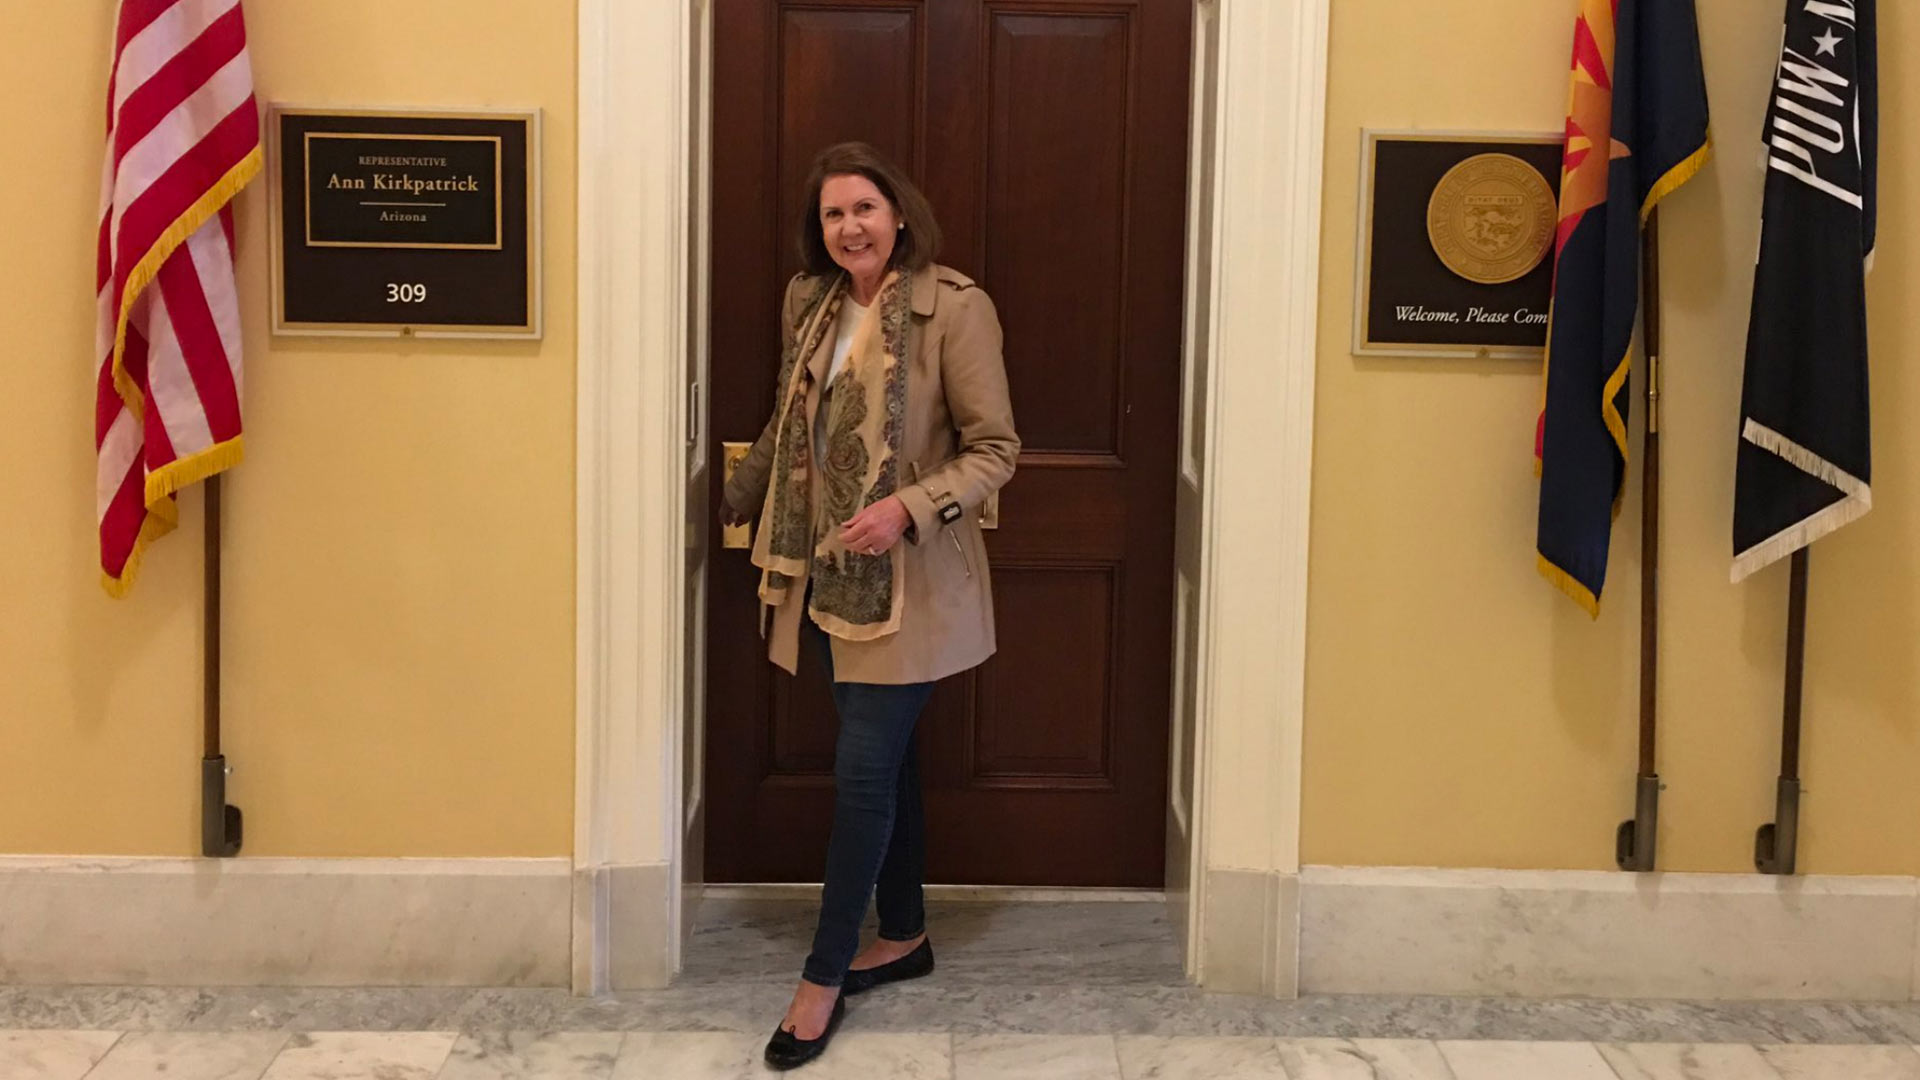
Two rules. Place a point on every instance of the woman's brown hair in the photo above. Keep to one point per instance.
(917, 243)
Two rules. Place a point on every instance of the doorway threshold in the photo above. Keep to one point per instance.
(985, 894)
(756, 939)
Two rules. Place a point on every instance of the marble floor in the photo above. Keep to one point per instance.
(443, 1055)
(1044, 991)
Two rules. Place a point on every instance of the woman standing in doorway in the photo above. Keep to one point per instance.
(891, 427)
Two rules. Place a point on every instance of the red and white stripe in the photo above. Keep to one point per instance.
(183, 137)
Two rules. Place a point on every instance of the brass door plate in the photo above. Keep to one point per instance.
(731, 455)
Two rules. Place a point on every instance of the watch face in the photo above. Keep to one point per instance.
(950, 513)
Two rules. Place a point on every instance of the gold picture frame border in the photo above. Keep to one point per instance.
(534, 326)
(1370, 139)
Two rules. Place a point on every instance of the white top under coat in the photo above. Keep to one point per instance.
(849, 321)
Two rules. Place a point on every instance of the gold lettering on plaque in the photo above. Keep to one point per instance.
(1492, 218)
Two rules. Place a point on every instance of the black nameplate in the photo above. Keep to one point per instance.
(405, 223)
(1451, 228)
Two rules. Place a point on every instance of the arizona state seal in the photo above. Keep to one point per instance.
(1492, 218)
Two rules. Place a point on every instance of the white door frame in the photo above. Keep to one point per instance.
(636, 244)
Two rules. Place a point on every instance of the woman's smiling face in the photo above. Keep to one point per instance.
(859, 225)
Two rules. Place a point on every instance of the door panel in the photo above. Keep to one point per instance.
(1063, 169)
(824, 99)
(1055, 666)
(1051, 138)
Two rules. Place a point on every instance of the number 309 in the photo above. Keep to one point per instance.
(398, 293)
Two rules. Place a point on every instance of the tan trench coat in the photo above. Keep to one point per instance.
(959, 447)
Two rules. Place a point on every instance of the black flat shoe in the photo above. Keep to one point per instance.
(914, 965)
(785, 1051)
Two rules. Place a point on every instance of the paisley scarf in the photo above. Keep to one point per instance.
(855, 597)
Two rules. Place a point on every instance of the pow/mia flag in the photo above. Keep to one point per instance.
(1804, 465)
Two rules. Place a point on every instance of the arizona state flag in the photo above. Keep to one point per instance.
(1805, 456)
(1636, 131)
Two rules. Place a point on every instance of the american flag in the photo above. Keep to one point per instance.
(183, 137)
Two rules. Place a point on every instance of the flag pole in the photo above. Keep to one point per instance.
(1776, 844)
(219, 822)
(1635, 842)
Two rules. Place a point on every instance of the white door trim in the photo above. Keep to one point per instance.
(634, 199)
(1259, 489)
(635, 108)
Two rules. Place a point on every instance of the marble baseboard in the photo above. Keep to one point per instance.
(1607, 935)
(1250, 933)
(284, 922)
(1915, 976)
(641, 947)
(622, 938)
(591, 919)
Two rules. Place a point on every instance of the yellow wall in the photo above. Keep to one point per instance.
(399, 639)
(1460, 711)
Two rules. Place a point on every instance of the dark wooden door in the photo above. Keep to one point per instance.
(1051, 138)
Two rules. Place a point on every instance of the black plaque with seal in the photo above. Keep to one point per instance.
(405, 223)
(1456, 244)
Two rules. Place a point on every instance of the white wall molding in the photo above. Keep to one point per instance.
(1272, 121)
(1571, 933)
(633, 175)
(283, 922)
(635, 73)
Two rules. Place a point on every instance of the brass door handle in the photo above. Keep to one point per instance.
(731, 455)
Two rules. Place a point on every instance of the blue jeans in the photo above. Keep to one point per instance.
(878, 848)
